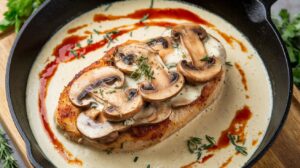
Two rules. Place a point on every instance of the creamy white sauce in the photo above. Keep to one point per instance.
(172, 152)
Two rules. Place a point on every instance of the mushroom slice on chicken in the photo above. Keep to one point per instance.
(162, 84)
(85, 83)
(127, 54)
(119, 104)
(155, 113)
(94, 125)
(202, 68)
(163, 45)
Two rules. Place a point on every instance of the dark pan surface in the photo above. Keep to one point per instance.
(251, 17)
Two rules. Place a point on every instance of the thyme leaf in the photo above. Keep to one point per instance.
(6, 153)
(234, 139)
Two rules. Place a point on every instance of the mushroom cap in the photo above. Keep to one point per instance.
(198, 43)
(195, 75)
(152, 114)
(85, 83)
(127, 54)
(93, 129)
(152, 94)
(123, 105)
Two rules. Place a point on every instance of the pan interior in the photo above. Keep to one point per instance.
(258, 96)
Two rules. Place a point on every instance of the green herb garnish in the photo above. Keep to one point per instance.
(144, 69)
(228, 63)
(74, 53)
(107, 7)
(206, 59)
(148, 166)
(234, 139)
(151, 4)
(78, 45)
(90, 40)
(6, 153)
(96, 31)
(17, 13)
(136, 159)
(130, 34)
(196, 146)
(169, 66)
(290, 33)
(108, 37)
(111, 92)
(145, 17)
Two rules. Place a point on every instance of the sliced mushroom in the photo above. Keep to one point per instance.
(119, 104)
(151, 114)
(164, 84)
(187, 95)
(127, 54)
(201, 68)
(93, 125)
(163, 45)
(84, 84)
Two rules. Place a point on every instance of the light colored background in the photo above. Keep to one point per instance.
(292, 5)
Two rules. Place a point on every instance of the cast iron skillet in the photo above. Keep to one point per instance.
(251, 17)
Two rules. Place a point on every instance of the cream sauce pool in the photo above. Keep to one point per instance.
(173, 151)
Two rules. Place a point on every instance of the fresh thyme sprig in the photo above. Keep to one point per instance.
(107, 7)
(228, 63)
(90, 40)
(144, 18)
(144, 69)
(234, 139)
(151, 4)
(6, 157)
(108, 37)
(196, 146)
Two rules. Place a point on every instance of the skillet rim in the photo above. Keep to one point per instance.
(253, 159)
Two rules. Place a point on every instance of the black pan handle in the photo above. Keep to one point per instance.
(268, 3)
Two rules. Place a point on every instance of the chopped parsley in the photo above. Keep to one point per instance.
(136, 159)
(151, 4)
(289, 29)
(111, 92)
(169, 66)
(205, 59)
(78, 45)
(228, 63)
(234, 139)
(144, 69)
(196, 146)
(108, 37)
(148, 166)
(74, 53)
(96, 31)
(90, 40)
(107, 7)
(144, 18)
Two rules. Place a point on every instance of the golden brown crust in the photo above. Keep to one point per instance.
(137, 137)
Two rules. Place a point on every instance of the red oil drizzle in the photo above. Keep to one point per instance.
(204, 159)
(243, 75)
(75, 29)
(227, 162)
(62, 54)
(230, 39)
(174, 13)
(254, 142)
(241, 118)
(171, 13)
